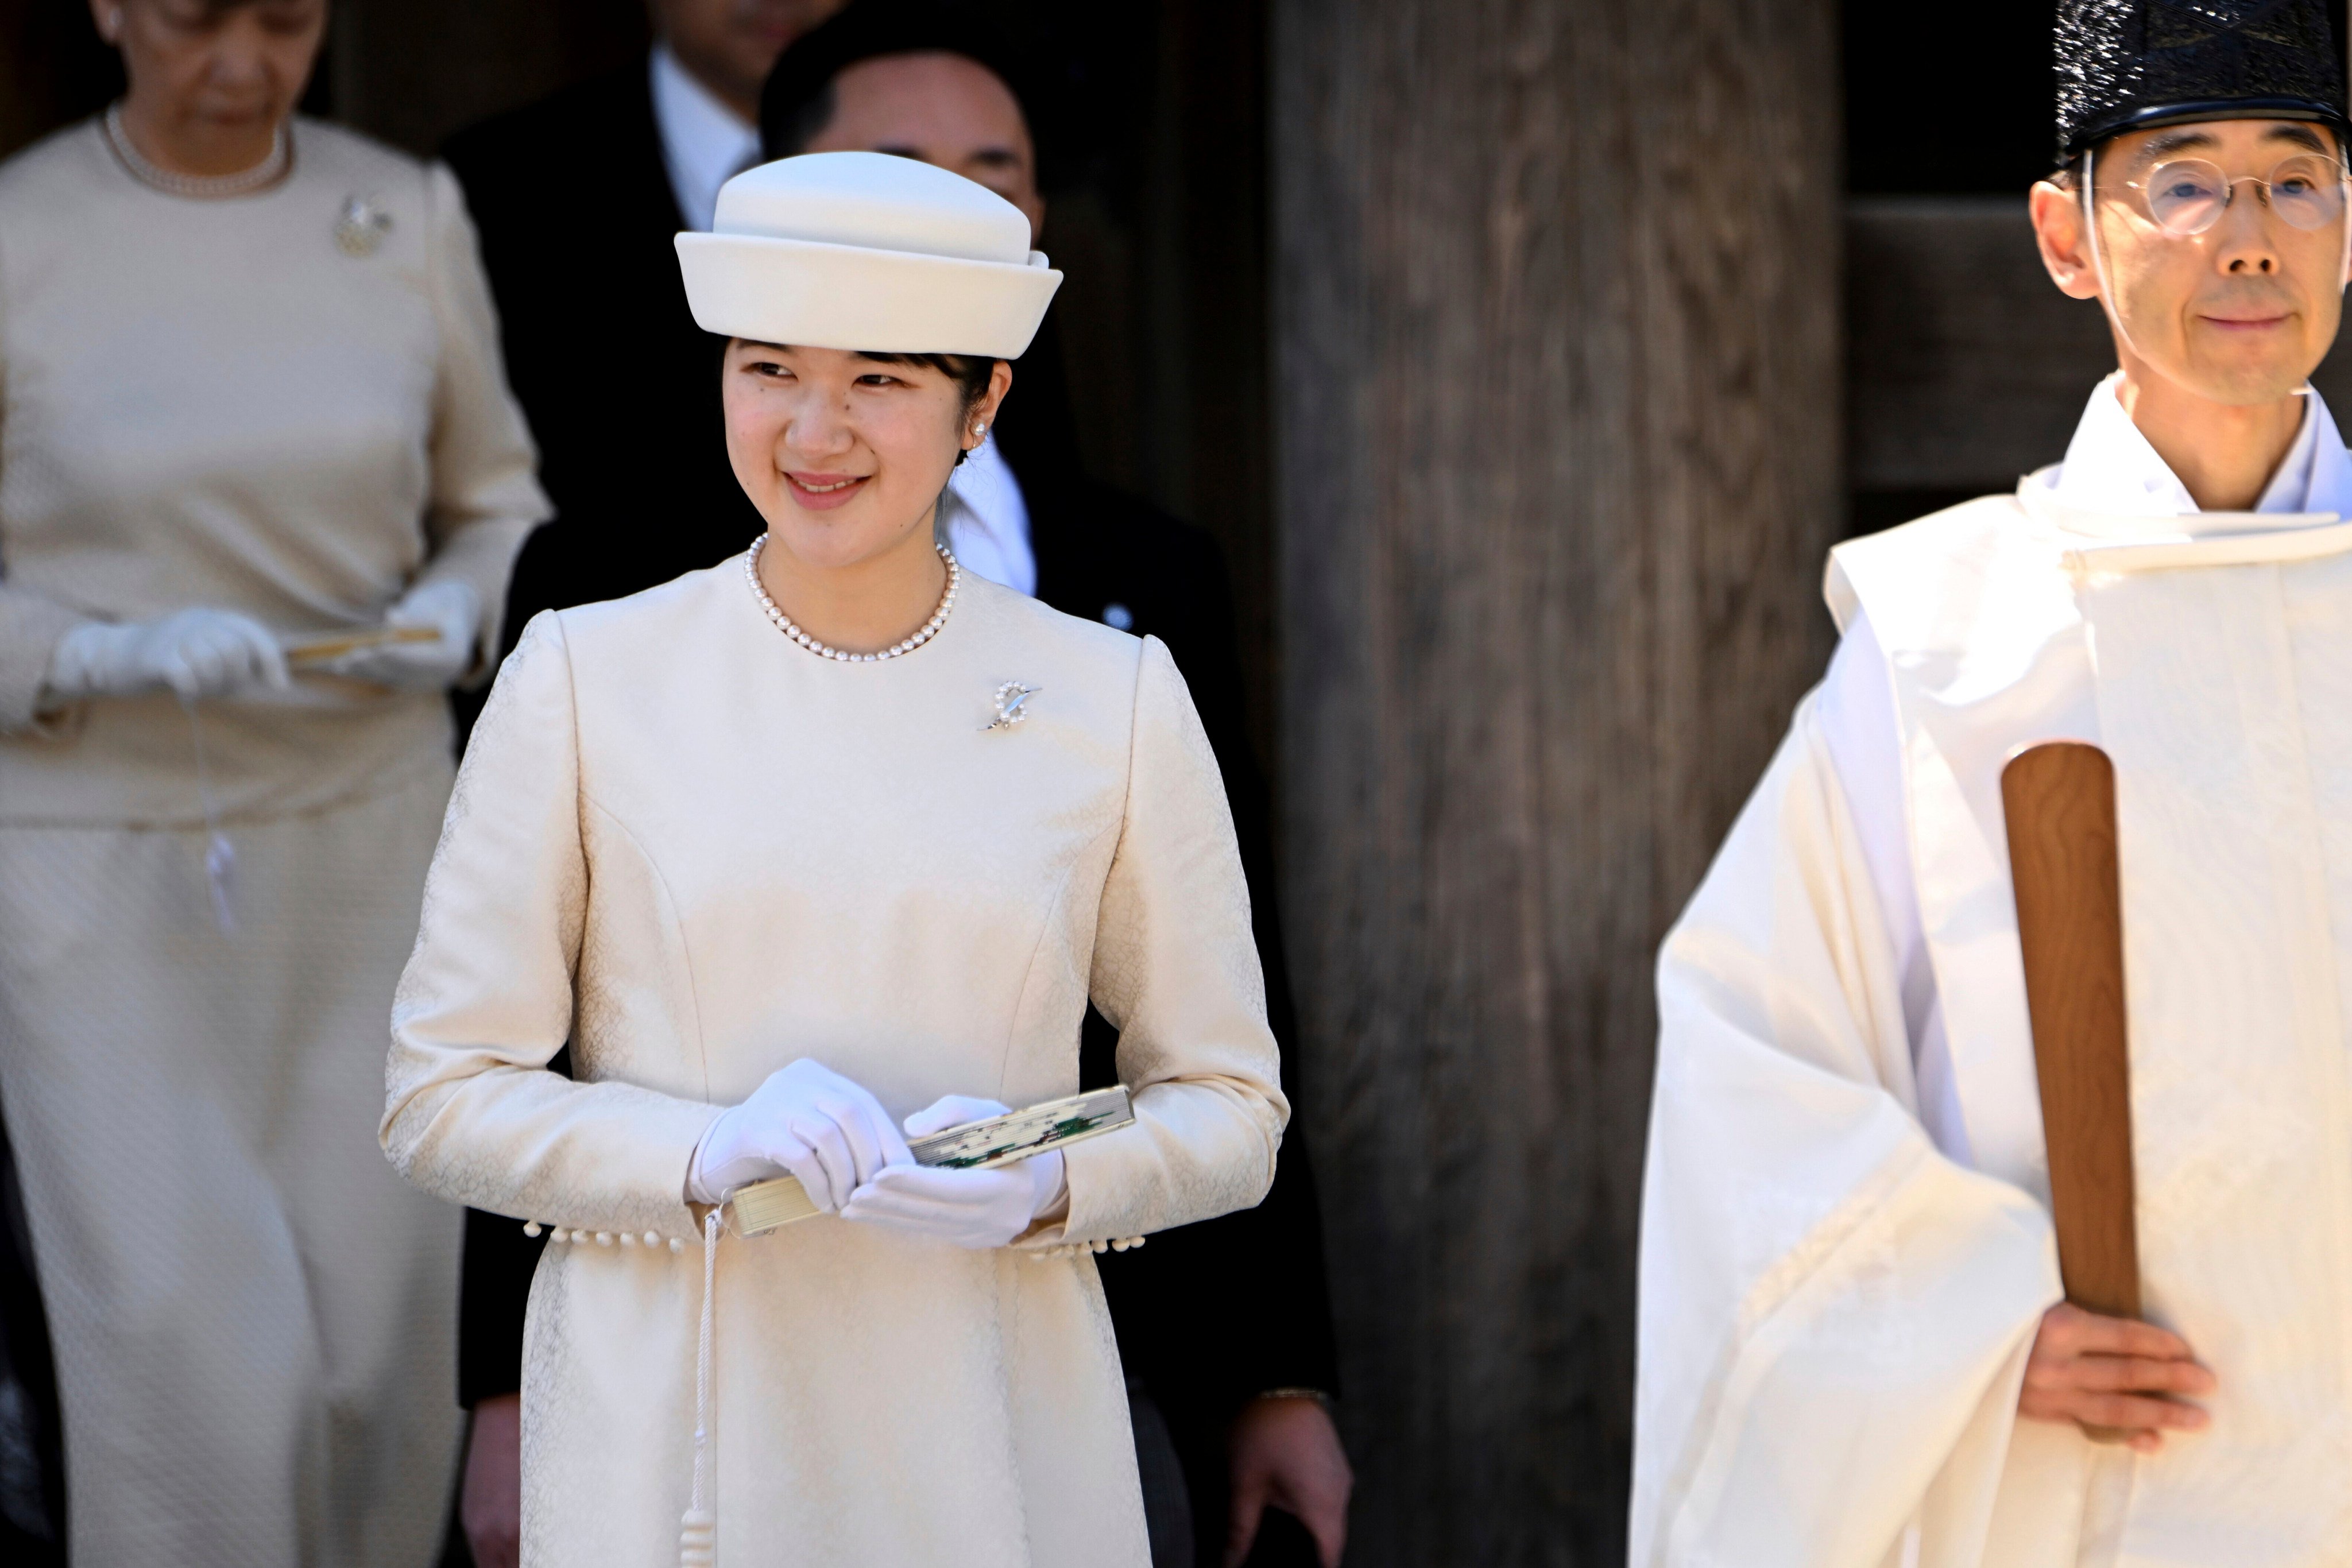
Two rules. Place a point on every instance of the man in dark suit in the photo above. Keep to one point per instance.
(625, 410)
(1224, 1327)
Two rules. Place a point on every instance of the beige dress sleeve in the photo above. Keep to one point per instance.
(31, 622)
(471, 1112)
(1176, 972)
(485, 497)
(31, 627)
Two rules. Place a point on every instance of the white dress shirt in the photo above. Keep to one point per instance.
(704, 142)
(2111, 469)
(985, 520)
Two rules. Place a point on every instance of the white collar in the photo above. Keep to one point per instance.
(704, 142)
(2111, 469)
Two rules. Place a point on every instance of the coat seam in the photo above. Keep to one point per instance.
(1037, 949)
(678, 929)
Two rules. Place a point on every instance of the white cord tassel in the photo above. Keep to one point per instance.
(697, 1540)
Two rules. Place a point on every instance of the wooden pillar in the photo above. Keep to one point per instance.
(1555, 317)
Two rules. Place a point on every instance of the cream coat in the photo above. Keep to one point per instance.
(700, 853)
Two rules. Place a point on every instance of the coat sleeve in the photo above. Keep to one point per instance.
(472, 1115)
(1834, 1316)
(31, 626)
(1176, 972)
(486, 493)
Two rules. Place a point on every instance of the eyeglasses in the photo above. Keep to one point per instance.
(2188, 195)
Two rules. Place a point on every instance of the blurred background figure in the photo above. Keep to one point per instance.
(577, 197)
(261, 484)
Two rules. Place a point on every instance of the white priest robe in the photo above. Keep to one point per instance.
(1845, 1244)
(699, 853)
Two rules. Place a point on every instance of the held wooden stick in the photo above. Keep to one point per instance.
(2060, 801)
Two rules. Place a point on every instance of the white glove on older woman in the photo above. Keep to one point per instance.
(451, 610)
(979, 1209)
(806, 1120)
(195, 653)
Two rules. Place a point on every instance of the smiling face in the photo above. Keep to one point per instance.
(845, 454)
(2243, 312)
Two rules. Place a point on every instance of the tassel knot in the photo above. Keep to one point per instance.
(697, 1541)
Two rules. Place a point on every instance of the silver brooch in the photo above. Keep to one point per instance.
(361, 226)
(1010, 699)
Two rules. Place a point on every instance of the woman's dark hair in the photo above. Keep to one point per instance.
(971, 374)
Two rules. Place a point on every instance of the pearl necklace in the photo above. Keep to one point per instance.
(268, 171)
(784, 622)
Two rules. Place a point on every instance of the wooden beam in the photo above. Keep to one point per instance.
(1557, 379)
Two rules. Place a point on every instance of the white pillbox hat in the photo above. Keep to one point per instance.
(867, 251)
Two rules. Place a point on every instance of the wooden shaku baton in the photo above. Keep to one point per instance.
(2060, 802)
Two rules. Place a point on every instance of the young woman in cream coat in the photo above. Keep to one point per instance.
(784, 852)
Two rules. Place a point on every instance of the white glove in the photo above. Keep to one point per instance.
(195, 653)
(806, 1120)
(979, 1209)
(450, 609)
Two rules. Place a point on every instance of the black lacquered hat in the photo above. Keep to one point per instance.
(2127, 65)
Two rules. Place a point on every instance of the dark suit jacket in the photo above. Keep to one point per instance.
(575, 215)
(621, 388)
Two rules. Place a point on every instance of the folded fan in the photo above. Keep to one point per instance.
(306, 651)
(976, 1145)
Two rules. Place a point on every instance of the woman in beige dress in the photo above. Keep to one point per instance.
(249, 398)
(822, 849)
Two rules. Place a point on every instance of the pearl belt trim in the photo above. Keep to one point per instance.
(1078, 1249)
(653, 1241)
(784, 622)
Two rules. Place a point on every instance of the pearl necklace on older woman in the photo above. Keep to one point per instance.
(244, 182)
(784, 622)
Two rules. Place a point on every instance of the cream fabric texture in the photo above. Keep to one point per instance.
(211, 403)
(1836, 1310)
(700, 853)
